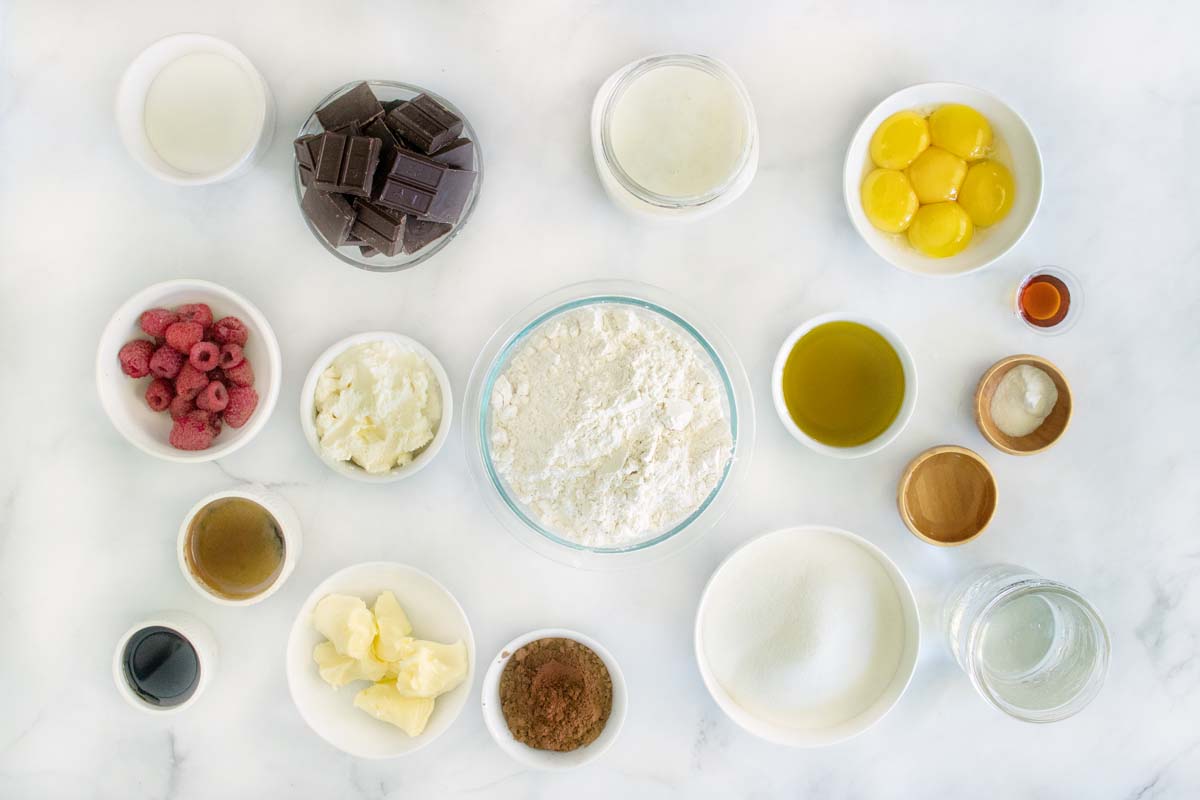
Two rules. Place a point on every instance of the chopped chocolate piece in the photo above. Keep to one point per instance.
(379, 227)
(357, 105)
(419, 233)
(389, 144)
(459, 154)
(424, 123)
(368, 251)
(306, 150)
(306, 176)
(346, 164)
(390, 104)
(422, 187)
(331, 214)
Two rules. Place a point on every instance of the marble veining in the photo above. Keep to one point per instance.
(88, 523)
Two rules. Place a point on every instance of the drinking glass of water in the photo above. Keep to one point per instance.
(1034, 648)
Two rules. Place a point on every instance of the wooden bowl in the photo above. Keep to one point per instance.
(1050, 430)
(947, 495)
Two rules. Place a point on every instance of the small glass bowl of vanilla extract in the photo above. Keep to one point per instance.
(1049, 300)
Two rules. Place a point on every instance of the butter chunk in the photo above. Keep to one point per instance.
(394, 628)
(430, 670)
(383, 702)
(338, 670)
(348, 623)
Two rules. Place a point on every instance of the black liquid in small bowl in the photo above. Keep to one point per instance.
(161, 666)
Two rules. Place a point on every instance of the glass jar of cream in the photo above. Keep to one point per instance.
(674, 136)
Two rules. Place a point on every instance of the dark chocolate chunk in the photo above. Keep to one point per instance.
(380, 227)
(459, 154)
(424, 188)
(331, 214)
(419, 233)
(306, 150)
(388, 105)
(346, 164)
(368, 251)
(424, 123)
(357, 105)
(306, 176)
(388, 145)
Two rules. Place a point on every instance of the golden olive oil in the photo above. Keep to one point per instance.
(843, 384)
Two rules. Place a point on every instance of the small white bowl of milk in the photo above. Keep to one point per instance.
(193, 110)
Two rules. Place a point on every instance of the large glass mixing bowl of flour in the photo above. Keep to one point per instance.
(708, 344)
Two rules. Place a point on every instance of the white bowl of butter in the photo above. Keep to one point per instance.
(376, 407)
(435, 616)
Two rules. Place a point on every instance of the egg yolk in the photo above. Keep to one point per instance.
(936, 175)
(899, 139)
(940, 230)
(987, 193)
(962, 130)
(888, 200)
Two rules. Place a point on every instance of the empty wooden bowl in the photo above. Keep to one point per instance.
(947, 495)
(1050, 430)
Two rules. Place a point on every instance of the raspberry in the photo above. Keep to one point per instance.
(181, 406)
(159, 394)
(231, 356)
(184, 335)
(135, 357)
(214, 397)
(191, 433)
(242, 402)
(166, 362)
(203, 355)
(190, 382)
(230, 330)
(155, 321)
(196, 312)
(242, 374)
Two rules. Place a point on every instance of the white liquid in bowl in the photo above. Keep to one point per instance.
(203, 113)
(679, 131)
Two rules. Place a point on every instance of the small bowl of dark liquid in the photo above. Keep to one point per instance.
(1049, 300)
(238, 547)
(162, 664)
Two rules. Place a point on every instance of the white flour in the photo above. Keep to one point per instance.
(608, 425)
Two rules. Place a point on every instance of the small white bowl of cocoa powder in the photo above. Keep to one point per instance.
(554, 699)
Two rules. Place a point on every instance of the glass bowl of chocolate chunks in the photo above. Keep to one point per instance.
(386, 174)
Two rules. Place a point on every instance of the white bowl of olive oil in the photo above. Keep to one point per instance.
(844, 385)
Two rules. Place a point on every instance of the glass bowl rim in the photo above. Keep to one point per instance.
(625, 77)
(427, 252)
(496, 354)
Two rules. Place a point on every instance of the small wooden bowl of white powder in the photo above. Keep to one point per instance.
(807, 636)
(1023, 405)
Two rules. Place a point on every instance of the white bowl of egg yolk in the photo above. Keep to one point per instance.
(1001, 138)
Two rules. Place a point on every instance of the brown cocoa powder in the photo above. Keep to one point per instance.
(556, 694)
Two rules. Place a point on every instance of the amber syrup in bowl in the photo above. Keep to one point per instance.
(1049, 300)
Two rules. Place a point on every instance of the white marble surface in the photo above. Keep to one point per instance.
(87, 523)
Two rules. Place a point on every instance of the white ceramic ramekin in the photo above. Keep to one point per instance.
(289, 525)
(199, 635)
(907, 406)
(493, 715)
(131, 103)
(308, 408)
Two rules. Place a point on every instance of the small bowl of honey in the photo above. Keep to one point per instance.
(1049, 300)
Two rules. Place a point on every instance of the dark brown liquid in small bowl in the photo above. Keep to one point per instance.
(235, 548)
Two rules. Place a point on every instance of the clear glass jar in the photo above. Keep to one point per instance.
(635, 197)
(1034, 648)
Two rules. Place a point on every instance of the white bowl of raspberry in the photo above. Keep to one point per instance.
(188, 370)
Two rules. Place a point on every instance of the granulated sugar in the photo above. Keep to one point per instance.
(804, 630)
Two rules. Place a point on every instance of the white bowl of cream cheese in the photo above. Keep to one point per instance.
(387, 412)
